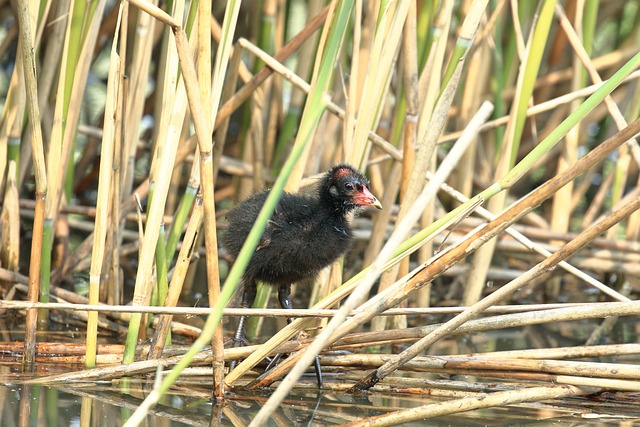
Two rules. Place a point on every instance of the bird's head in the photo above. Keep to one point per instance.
(347, 189)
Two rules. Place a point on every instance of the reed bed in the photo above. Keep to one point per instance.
(500, 137)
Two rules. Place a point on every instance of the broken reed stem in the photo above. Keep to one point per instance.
(538, 248)
(504, 220)
(443, 261)
(203, 63)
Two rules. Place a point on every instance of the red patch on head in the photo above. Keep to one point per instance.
(342, 172)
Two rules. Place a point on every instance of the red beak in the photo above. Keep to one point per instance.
(365, 198)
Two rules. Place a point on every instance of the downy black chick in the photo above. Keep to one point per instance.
(305, 234)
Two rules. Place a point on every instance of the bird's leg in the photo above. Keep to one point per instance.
(248, 295)
(284, 297)
(240, 337)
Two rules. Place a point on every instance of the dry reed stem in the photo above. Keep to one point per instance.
(565, 352)
(541, 250)
(209, 101)
(287, 50)
(10, 222)
(298, 82)
(434, 363)
(607, 375)
(123, 314)
(156, 12)
(542, 107)
(423, 161)
(561, 211)
(114, 238)
(506, 383)
(410, 80)
(602, 310)
(512, 214)
(583, 57)
(302, 361)
(177, 280)
(429, 271)
(166, 147)
(107, 154)
(115, 311)
(501, 398)
(37, 148)
(120, 371)
(601, 243)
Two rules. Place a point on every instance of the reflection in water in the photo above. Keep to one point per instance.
(44, 406)
(109, 403)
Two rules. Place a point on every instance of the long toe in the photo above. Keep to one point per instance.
(273, 362)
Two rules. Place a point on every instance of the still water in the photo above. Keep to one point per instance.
(109, 403)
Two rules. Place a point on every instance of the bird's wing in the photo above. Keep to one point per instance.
(289, 220)
(274, 225)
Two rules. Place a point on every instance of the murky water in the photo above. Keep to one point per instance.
(190, 403)
(109, 406)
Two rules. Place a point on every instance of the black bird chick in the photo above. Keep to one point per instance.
(304, 235)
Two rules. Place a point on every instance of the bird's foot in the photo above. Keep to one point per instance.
(316, 364)
(236, 342)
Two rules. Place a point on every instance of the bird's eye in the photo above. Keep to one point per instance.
(349, 186)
